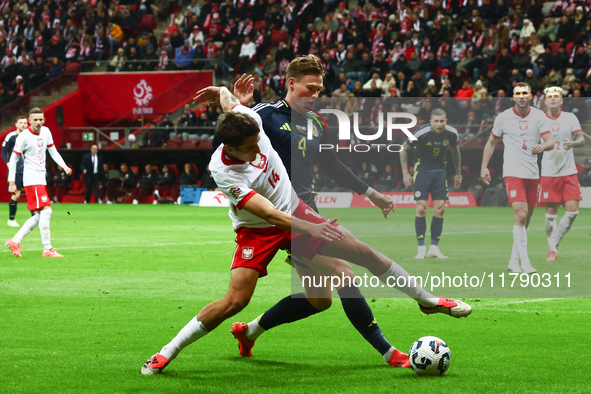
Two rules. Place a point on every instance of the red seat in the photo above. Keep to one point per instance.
(569, 47)
(206, 144)
(278, 36)
(135, 171)
(148, 21)
(190, 144)
(554, 47)
(258, 25)
(173, 144)
(173, 168)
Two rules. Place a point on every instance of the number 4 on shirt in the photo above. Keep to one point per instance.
(273, 179)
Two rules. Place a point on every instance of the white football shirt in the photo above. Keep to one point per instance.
(33, 148)
(519, 135)
(240, 180)
(558, 161)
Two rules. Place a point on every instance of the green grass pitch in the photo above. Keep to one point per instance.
(133, 276)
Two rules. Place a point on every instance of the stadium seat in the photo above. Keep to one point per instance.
(258, 25)
(278, 36)
(206, 144)
(174, 170)
(173, 144)
(135, 171)
(569, 47)
(554, 47)
(190, 144)
(155, 168)
(148, 21)
(194, 168)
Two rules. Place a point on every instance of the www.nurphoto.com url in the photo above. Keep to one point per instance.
(443, 281)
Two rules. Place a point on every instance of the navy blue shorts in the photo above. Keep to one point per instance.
(18, 179)
(430, 181)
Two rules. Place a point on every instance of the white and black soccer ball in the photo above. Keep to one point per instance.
(429, 356)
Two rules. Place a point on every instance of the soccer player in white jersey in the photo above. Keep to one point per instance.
(32, 144)
(520, 127)
(559, 183)
(251, 174)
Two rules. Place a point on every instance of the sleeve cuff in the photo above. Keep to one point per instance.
(495, 136)
(577, 131)
(49, 146)
(545, 132)
(245, 199)
(18, 153)
(237, 105)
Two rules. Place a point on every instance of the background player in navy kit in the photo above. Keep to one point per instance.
(430, 176)
(7, 146)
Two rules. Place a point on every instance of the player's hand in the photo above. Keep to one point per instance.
(537, 149)
(407, 179)
(385, 203)
(68, 170)
(457, 181)
(327, 231)
(485, 176)
(84, 172)
(566, 144)
(244, 88)
(11, 187)
(210, 94)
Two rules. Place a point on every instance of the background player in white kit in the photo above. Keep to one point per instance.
(559, 183)
(520, 127)
(32, 144)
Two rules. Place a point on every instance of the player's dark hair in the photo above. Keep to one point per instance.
(20, 117)
(438, 112)
(234, 127)
(522, 85)
(35, 110)
(304, 65)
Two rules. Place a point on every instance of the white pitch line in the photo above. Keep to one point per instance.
(477, 308)
(464, 232)
(527, 311)
(125, 246)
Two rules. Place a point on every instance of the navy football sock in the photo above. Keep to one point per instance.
(436, 229)
(12, 209)
(287, 310)
(360, 315)
(421, 229)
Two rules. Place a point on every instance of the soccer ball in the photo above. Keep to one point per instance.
(429, 356)
(131, 137)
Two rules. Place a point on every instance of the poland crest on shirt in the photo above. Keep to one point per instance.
(520, 134)
(33, 148)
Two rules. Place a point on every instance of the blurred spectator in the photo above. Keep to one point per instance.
(247, 50)
(206, 126)
(166, 126)
(366, 174)
(118, 61)
(495, 195)
(154, 137)
(122, 186)
(145, 185)
(184, 56)
(387, 181)
(165, 183)
(188, 177)
(207, 181)
(56, 69)
(162, 61)
(61, 184)
(585, 175)
(319, 179)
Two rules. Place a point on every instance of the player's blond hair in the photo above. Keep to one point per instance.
(304, 65)
(554, 89)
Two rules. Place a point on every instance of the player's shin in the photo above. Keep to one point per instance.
(194, 330)
(12, 209)
(45, 217)
(361, 316)
(397, 277)
(29, 225)
(551, 228)
(436, 230)
(289, 309)
(421, 229)
(565, 224)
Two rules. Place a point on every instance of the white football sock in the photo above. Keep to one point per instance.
(45, 217)
(565, 223)
(411, 288)
(514, 251)
(388, 354)
(29, 225)
(189, 334)
(253, 329)
(551, 228)
(520, 239)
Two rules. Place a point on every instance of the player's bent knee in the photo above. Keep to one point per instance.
(321, 304)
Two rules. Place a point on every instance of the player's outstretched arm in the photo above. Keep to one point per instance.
(55, 155)
(578, 141)
(489, 149)
(12, 173)
(261, 207)
(547, 145)
(406, 178)
(457, 159)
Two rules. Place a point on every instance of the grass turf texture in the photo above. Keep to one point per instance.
(133, 276)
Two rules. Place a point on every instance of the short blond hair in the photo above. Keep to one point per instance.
(553, 89)
(304, 65)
